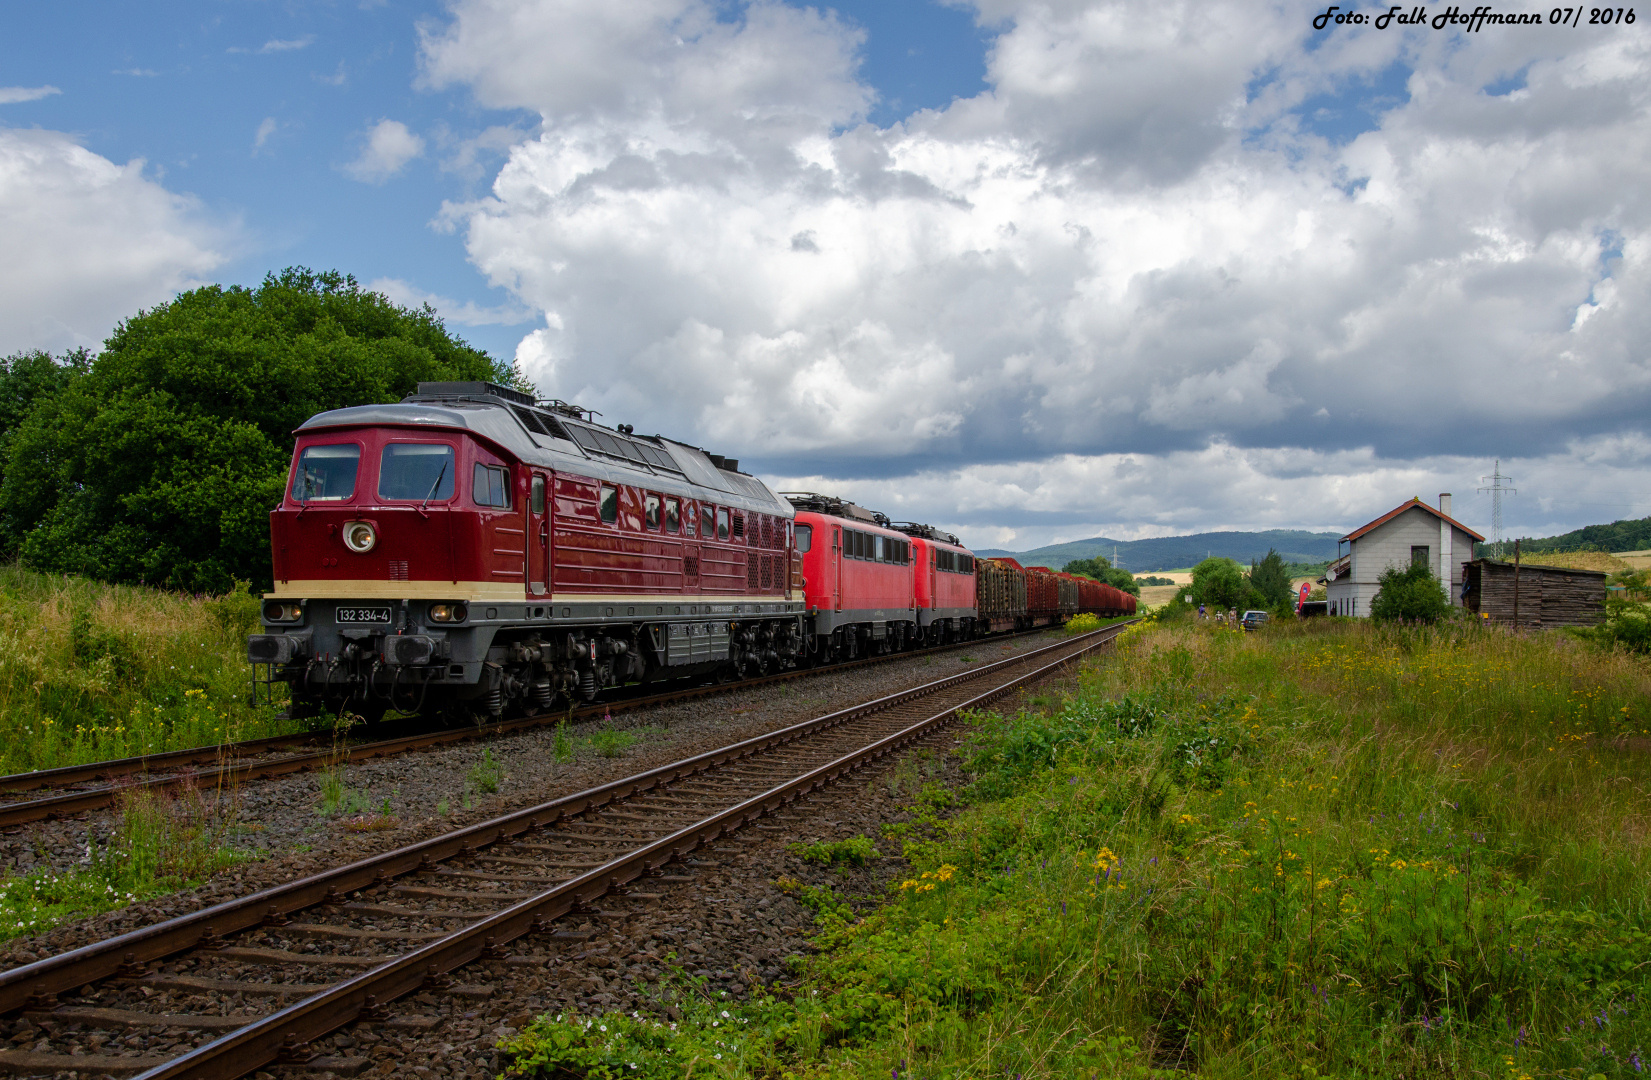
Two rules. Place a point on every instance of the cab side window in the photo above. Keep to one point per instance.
(722, 524)
(650, 511)
(708, 521)
(490, 486)
(673, 516)
(609, 504)
(536, 500)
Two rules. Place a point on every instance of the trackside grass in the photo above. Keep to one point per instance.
(161, 842)
(1317, 850)
(90, 671)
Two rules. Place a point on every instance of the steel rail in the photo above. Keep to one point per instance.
(230, 769)
(91, 963)
(288, 1030)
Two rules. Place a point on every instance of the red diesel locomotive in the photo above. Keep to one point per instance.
(470, 548)
(476, 551)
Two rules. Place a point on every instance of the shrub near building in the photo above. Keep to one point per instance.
(1412, 594)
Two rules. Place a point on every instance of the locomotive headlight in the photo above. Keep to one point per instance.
(360, 536)
(275, 611)
(449, 612)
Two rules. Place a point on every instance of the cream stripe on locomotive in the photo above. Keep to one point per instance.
(357, 589)
(489, 592)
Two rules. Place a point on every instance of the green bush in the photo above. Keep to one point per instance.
(160, 460)
(1219, 583)
(1411, 594)
(855, 851)
(611, 742)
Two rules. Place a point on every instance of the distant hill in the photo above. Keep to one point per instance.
(1171, 552)
(1632, 535)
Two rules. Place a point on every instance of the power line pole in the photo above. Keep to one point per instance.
(1496, 492)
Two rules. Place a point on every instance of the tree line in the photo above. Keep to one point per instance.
(158, 459)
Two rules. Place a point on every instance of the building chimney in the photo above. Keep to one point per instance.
(1444, 503)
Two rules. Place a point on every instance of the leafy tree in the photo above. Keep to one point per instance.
(1219, 583)
(1410, 594)
(26, 379)
(1102, 570)
(162, 461)
(1271, 579)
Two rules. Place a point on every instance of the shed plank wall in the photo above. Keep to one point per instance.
(1548, 596)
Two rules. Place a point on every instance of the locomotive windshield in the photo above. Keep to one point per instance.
(326, 472)
(416, 471)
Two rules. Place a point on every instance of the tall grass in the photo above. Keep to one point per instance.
(90, 671)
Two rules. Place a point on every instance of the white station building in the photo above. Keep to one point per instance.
(1412, 532)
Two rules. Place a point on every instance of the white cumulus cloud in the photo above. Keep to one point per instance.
(90, 242)
(1137, 243)
(388, 147)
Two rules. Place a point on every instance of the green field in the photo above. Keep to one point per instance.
(90, 671)
(1323, 849)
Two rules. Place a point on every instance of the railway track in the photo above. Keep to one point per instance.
(76, 789)
(252, 981)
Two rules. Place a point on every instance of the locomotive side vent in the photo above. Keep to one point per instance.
(751, 571)
(739, 525)
(398, 569)
(767, 573)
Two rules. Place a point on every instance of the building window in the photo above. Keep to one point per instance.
(1419, 555)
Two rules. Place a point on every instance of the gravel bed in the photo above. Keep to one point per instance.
(278, 820)
(731, 926)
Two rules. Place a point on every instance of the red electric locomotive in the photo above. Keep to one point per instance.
(858, 582)
(943, 584)
(475, 550)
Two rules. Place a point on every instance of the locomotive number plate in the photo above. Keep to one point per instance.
(364, 615)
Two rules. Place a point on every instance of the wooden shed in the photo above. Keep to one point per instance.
(1546, 596)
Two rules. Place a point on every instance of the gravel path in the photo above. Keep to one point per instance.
(279, 820)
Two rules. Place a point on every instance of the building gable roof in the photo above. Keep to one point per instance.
(1396, 511)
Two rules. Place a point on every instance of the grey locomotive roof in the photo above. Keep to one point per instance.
(682, 469)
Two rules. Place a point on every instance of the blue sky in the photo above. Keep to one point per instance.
(1031, 271)
(258, 109)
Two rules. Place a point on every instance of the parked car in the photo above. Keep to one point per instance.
(1254, 619)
